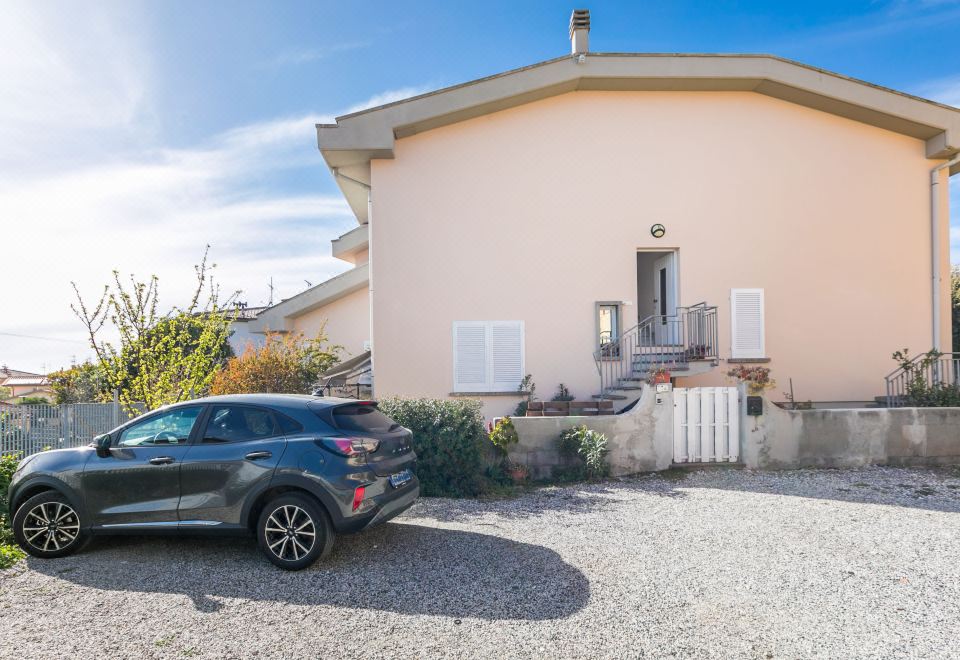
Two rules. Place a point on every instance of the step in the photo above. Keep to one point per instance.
(611, 397)
(668, 363)
(627, 388)
(640, 374)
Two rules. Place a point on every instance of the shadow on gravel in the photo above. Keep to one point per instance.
(403, 568)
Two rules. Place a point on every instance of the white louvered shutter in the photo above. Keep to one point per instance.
(487, 356)
(506, 355)
(469, 356)
(747, 323)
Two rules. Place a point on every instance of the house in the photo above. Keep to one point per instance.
(23, 384)
(599, 216)
(241, 335)
(340, 307)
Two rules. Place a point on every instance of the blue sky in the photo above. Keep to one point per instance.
(132, 134)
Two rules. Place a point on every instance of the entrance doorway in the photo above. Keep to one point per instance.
(657, 294)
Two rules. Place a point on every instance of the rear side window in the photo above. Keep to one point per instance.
(363, 417)
(239, 424)
(289, 426)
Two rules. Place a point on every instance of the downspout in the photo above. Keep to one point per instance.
(336, 173)
(935, 244)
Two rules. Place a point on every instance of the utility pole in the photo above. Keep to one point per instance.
(270, 304)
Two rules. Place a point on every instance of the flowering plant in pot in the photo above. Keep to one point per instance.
(658, 375)
(757, 379)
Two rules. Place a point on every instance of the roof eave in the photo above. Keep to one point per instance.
(359, 137)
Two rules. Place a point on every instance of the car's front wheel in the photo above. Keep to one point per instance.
(294, 531)
(48, 526)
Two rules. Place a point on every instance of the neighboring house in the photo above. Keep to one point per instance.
(564, 220)
(340, 306)
(24, 384)
(240, 334)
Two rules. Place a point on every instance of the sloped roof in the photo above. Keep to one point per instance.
(355, 139)
(20, 381)
(274, 319)
(7, 372)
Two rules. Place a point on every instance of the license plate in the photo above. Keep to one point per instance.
(401, 479)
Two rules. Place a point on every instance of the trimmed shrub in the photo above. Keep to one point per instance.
(450, 441)
(590, 447)
(10, 552)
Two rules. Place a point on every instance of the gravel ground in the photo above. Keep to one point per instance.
(721, 563)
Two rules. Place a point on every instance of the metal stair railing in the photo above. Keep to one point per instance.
(658, 341)
(927, 370)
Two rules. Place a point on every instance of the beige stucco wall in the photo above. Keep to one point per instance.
(536, 212)
(347, 322)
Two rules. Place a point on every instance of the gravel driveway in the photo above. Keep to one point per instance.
(722, 563)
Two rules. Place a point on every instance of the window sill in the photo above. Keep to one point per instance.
(510, 393)
(748, 360)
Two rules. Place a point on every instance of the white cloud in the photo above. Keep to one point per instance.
(305, 55)
(390, 96)
(143, 210)
(69, 82)
(944, 90)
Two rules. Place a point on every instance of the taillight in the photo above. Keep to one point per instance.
(351, 446)
(358, 497)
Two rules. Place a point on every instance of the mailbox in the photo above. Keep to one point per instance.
(754, 406)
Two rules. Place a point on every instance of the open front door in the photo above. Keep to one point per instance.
(665, 297)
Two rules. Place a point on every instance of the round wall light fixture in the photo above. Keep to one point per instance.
(658, 230)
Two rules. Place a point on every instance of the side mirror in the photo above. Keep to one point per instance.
(102, 443)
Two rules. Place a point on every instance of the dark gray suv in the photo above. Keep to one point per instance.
(293, 469)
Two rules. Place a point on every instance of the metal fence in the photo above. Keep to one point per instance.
(27, 429)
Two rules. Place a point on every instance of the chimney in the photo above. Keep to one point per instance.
(580, 31)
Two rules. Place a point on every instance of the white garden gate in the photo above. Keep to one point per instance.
(706, 425)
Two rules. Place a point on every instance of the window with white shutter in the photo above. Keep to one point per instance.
(746, 319)
(487, 356)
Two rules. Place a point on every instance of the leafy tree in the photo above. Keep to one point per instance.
(5, 393)
(80, 383)
(287, 363)
(161, 358)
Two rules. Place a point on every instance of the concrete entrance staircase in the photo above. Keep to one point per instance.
(683, 344)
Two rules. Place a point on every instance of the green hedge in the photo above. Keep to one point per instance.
(10, 552)
(450, 441)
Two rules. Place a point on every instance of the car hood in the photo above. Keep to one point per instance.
(56, 459)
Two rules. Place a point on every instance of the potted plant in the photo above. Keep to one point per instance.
(518, 472)
(658, 375)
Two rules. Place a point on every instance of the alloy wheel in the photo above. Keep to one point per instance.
(290, 533)
(51, 526)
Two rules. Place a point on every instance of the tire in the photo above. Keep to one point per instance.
(284, 531)
(48, 526)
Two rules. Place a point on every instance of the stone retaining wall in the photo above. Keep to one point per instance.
(784, 439)
(641, 440)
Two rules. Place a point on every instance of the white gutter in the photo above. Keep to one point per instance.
(935, 244)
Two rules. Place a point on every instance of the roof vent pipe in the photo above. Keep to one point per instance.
(580, 31)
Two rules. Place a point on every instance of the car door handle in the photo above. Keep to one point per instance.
(257, 455)
(161, 460)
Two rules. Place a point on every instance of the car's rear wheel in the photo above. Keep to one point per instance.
(48, 526)
(294, 531)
